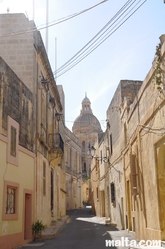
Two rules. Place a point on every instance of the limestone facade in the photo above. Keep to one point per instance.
(73, 171)
(26, 56)
(86, 128)
(143, 158)
(135, 141)
(126, 92)
(17, 160)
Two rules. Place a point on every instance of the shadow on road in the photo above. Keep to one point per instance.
(82, 231)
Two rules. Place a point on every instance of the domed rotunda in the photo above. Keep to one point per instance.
(86, 121)
(86, 127)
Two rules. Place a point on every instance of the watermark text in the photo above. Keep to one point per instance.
(124, 242)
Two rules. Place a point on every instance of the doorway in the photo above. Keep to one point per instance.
(28, 217)
(161, 186)
(51, 190)
(129, 219)
(103, 203)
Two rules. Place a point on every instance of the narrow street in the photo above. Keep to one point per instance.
(82, 231)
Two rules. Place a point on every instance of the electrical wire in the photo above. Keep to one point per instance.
(93, 37)
(58, 74)
(52, 23)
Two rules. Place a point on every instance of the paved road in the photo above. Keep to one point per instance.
(82, 231)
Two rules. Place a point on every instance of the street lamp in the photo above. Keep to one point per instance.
(92, 152)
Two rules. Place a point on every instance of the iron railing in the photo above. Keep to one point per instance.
(56, 142)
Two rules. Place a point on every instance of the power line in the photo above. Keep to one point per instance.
(93, 48)
(64, 19)
(99, 43)
(94, 36)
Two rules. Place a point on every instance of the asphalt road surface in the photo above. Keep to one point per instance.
(82, 231)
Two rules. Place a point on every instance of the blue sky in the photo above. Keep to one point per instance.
(127, 54)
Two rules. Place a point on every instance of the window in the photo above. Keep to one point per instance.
(67, 187)
(84, 166)
(113, 199)
(13, 142)
(133, 223)
(101, 156)
(111, 148)
(125, 134)
(13, 136)
(97, 193)
(44, 178)
(10, 201)
(51, 189)
(134, 174)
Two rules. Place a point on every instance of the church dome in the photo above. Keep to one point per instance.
(86, 121)
(86, 100)
(86, 128)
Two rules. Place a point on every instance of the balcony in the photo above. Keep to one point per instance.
(56, 150)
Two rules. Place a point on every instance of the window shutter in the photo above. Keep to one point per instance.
(113, 199)
(13, 142)
(44, 178)
(133, 166)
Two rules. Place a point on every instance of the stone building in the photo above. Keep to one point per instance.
(17, 159)
(97, 176)
(73, 171)
(135, 139)
(125, 94)
(109, 197)
(144, 154)
(22, 48)
(86, 128)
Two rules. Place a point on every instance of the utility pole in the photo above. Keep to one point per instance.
(33, 9)
(47, 18)
(55, 57)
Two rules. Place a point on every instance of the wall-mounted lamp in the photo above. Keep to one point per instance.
(92, 152)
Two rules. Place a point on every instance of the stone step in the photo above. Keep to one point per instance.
(53, 222)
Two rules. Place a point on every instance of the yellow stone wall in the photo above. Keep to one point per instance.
(23, 174)
(146, 140)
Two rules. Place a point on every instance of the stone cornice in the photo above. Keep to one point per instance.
(39, 46)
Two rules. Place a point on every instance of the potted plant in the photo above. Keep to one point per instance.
(37, 228)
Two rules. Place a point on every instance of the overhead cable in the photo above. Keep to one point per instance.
(52, 23)
(79, 52)
(59, 72)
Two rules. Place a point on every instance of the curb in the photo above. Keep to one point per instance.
(52, 231)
